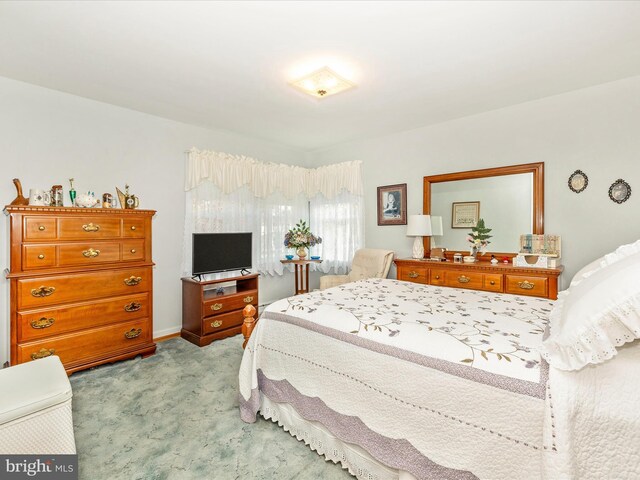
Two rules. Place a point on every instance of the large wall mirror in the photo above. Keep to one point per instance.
(509, 199)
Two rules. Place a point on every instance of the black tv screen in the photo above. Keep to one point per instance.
(221, 252)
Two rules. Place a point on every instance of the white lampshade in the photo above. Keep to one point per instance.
(436, 225)
(419, 226)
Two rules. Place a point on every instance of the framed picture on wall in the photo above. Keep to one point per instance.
(465, 214)
(392, 204)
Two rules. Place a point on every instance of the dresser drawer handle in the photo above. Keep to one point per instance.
(133, 227)
(437, 277)
(42, 291)
(133, 333)
(41, 228)
(132, 307)
(525, 285)
(43, 353)
(41, 256)
(43, 322)
(413, 274)
(133, 250)
(216, 323)
(91, 253)
(90, 227)
(132, 281)
(463, 279)
(216, 306)
(492, 282)
(248, 299)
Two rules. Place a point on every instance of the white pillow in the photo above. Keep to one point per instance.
(593, 317)
(621, 253)
(586, 271)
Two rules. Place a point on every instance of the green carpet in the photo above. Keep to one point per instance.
(175, 415)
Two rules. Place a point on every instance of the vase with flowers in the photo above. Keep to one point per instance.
(479, 238)
(301, 238)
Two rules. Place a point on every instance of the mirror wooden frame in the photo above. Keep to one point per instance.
(537, 169)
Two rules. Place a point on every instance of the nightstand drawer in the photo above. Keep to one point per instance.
(226, 303)
(526, 285)
(463, 279)
(413, 274)
(222, 322)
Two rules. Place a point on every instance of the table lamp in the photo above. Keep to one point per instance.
(419, 226)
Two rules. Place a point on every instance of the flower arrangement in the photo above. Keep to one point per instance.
(300, 238)
(479, 238)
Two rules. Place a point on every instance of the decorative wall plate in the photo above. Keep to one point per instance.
(619, 191)
(578, 181)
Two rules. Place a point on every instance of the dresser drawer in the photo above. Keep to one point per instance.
(527, 285)
(87, 344)
(88, 253)
(463, 279)
(40, 228)
(42, 323)
(77, 287)
(133, 228)
(493, 282)
(217, 305)
(38, 256)
(132, 250)
(222, 322)
(436, 277)
(413, 274)
(82, 228)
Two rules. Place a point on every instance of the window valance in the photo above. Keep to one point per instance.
(231, 172)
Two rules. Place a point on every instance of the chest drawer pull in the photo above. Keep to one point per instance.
(463, 279)
(133, 227)
(492, 282)
(41, 256)
(133, 333)
(42, 228)
(248, 299)
(216, 306)
(132, 281)
(132, 307)
(90, 227)
(437, 277)
(413, 274)
(42, 291)
(133, 250)
(525, 285)
(216, 323)
(43, 322)
(43, 353)
(91, 253)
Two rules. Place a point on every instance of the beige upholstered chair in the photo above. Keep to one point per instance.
(367, 263)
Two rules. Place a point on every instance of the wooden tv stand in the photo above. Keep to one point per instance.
(208, 315)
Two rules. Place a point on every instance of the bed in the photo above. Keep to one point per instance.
(397, 380)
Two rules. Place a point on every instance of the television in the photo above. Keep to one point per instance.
(221, 252)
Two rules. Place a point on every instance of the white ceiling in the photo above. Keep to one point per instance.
(225, 65)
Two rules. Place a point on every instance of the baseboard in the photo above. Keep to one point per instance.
(166, 334)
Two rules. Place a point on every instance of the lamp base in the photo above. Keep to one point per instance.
(418, 248)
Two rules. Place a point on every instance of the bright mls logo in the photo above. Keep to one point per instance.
(51, 467)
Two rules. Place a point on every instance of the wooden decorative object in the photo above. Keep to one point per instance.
(211, 312)
(71, 293)
(19, 200)
(249, 323)
(302, 273)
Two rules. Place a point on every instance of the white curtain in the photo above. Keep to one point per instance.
(231, 193)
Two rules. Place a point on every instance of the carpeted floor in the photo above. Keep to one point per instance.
(175, 415)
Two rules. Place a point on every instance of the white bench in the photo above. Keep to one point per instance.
(35, 409)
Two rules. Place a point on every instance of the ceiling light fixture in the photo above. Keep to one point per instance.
(322, 83)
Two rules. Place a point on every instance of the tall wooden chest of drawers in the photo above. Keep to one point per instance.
(81, 283)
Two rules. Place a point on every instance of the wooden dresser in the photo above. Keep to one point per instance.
(501, 278)
(81, 283)
(210, 313)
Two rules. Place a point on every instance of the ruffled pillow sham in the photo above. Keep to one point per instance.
(594, 316)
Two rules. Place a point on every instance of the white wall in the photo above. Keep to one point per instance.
(47, 137)
(593, 129)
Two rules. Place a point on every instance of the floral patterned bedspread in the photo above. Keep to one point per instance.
(494, 333)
